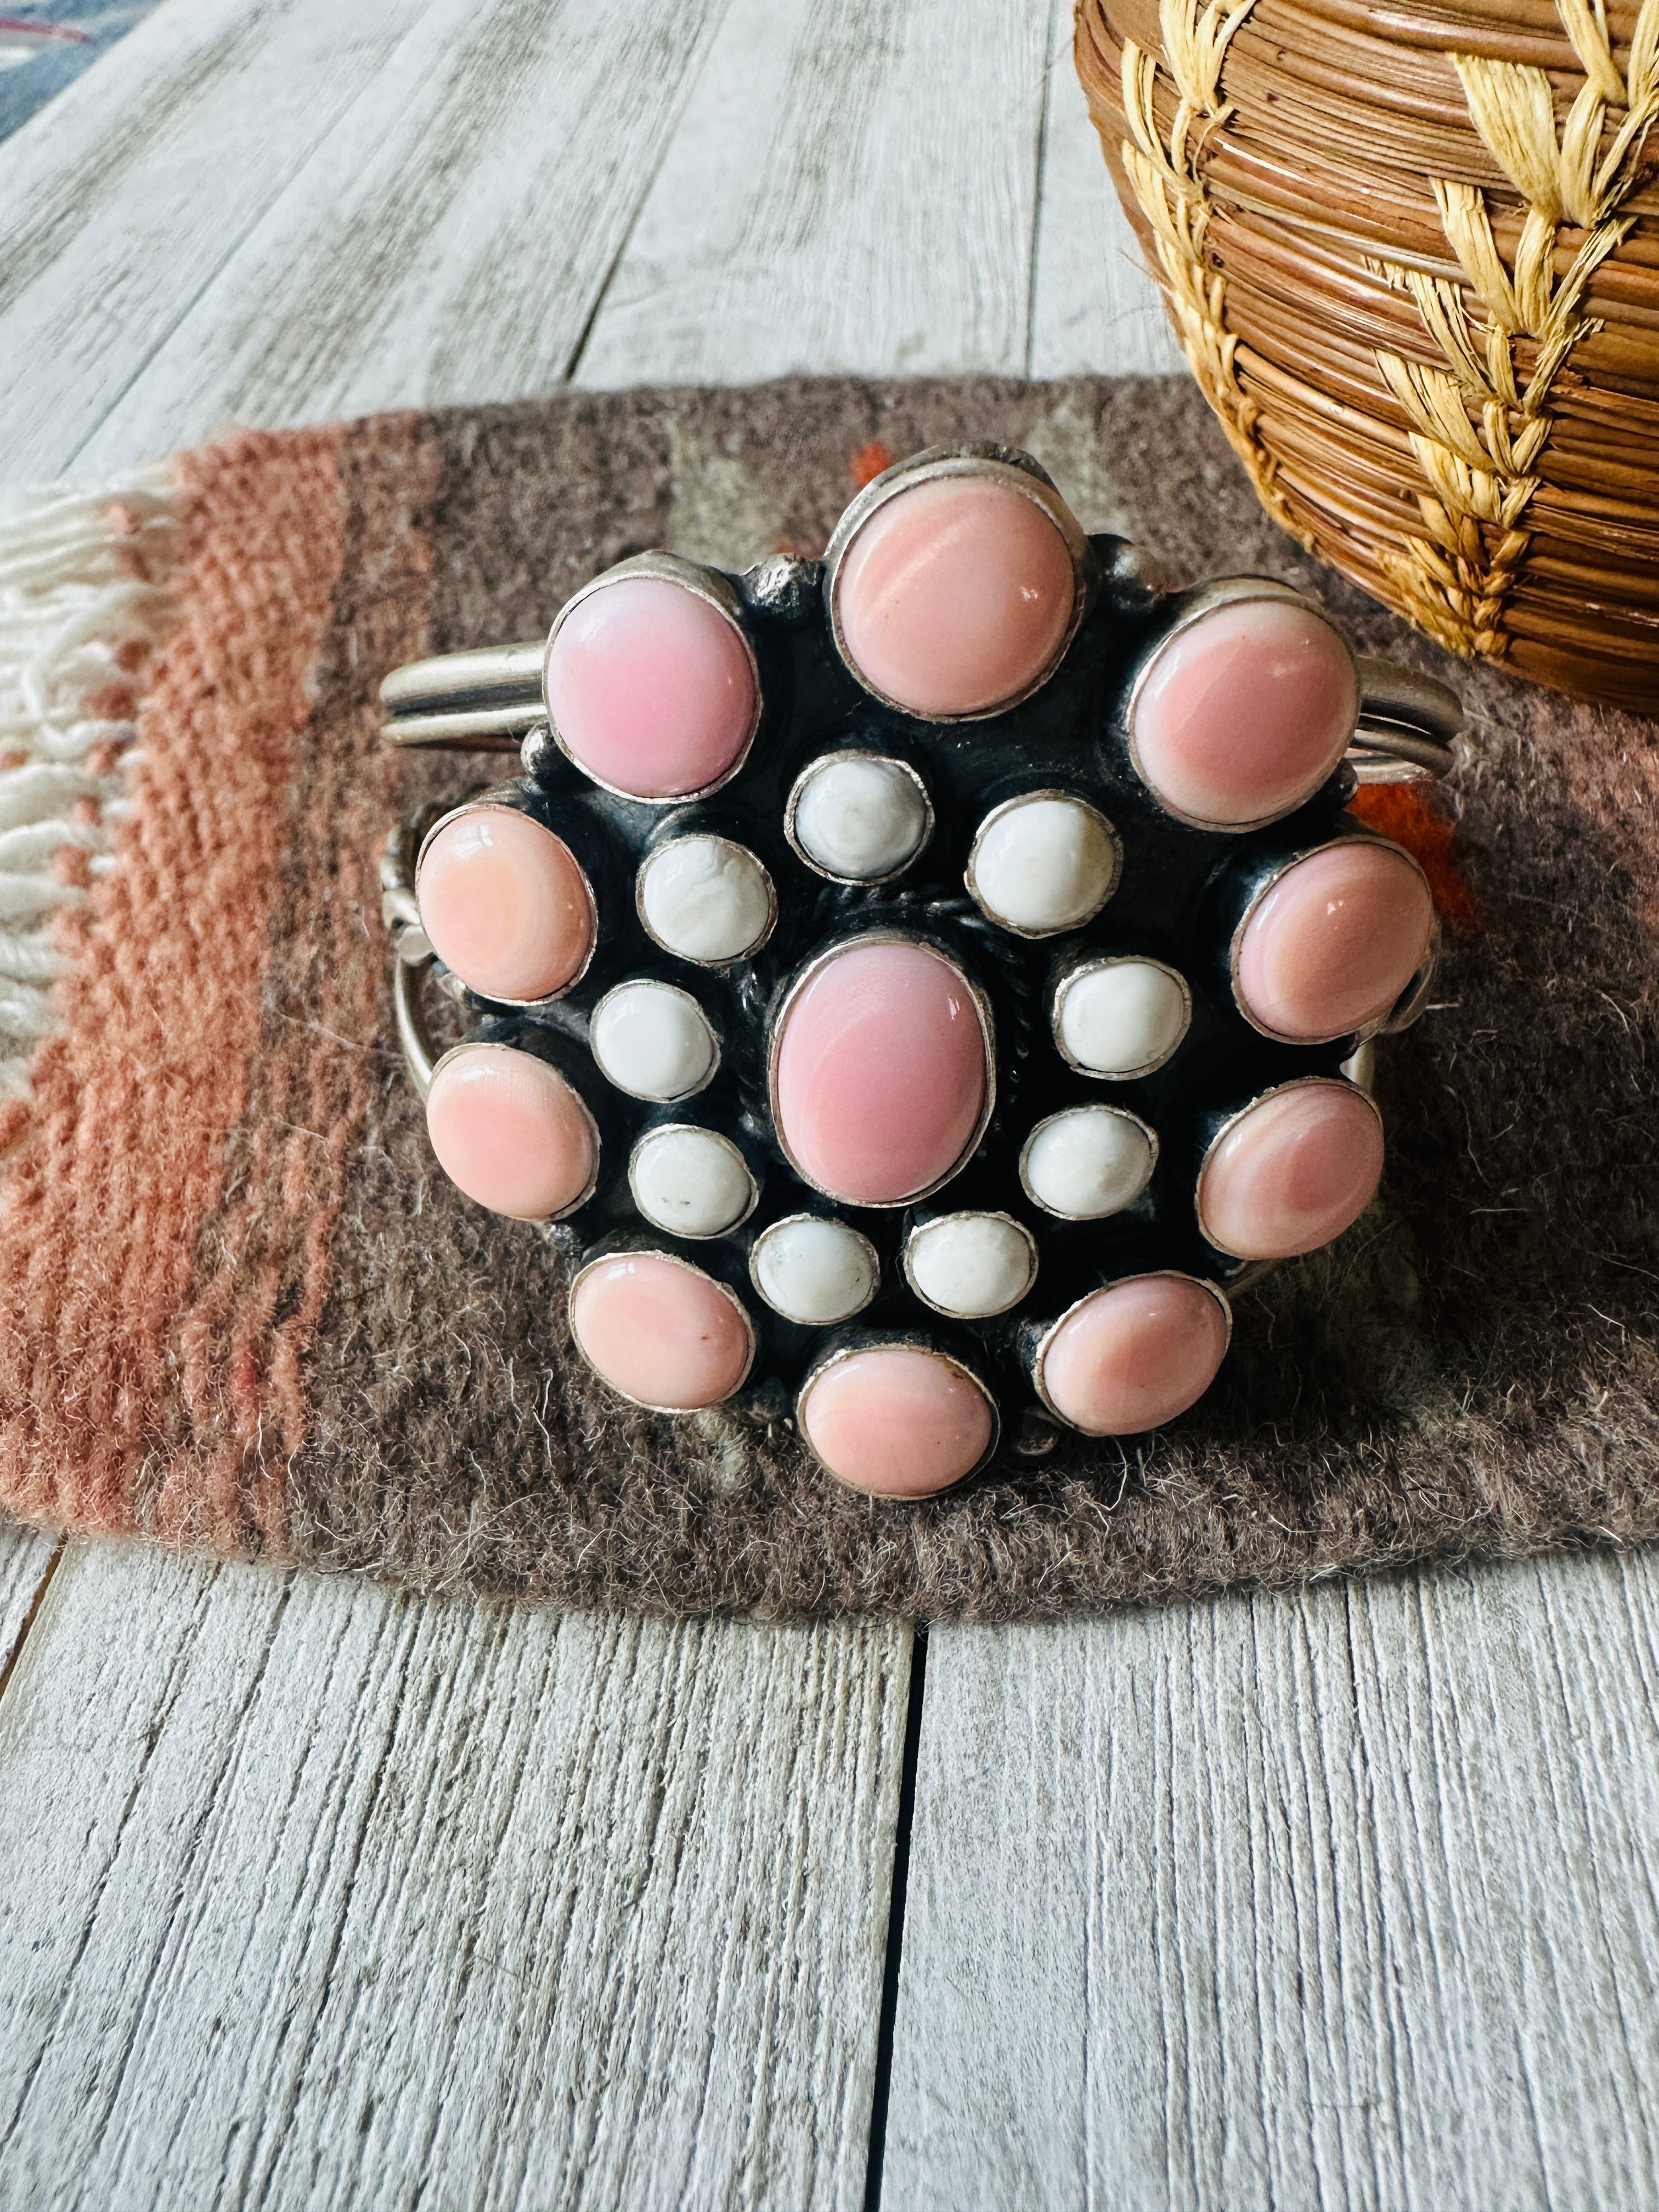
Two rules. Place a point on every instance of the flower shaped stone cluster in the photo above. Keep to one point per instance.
(922, 982)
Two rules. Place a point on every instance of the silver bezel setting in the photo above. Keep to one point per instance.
(729, 845)
(1273, 1090)
(655, 983)
(1413, 999)
(896, 1340)
(653, 1135)
(1040, 1350)
(1089, 963)
(1199, 603)
(647, 1250)
(798, 983)
(487, 805)
(707, 584)
(474, 1045)
(1063, 1113)
(787, 1220)
(931, 466)
(815, 768)
(922, 1229)
(970, 875)
(1417, 982)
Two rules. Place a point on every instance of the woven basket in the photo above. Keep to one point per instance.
(1412, 253)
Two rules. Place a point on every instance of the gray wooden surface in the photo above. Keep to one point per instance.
(312, 1894)
(1342, 1901)
(323, 1896)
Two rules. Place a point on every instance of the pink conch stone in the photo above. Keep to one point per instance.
(1243, 716)
(504, 903)
(1293, 1172)
(660, 1332)
(1134, 1355)
(651, 689)
(1334, 942)
(955, 596)
(510, 1132)
(881, 1073)
(899, 1422)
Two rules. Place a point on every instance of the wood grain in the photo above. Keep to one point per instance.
(852, 187)
(1095, 310)
(1342, 1901)
(26, 1557)
(318, 1895)
(450, 236)
(125, 194)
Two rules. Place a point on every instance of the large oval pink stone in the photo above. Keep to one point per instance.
(897, 1421)
(1245, 714)
(1333, 942)
(955, 597)
(1292, 1172)
(651, 689)
(880, 1081)
(505, 904)
(510, 1132)
(1135, 1354)
(662, 1333)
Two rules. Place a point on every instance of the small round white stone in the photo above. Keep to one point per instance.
(811, 1270)
(706, 899)
(1087, 1162)
(653, 1041)
(693, 1182)
(1044, 864)
(1121, 1016)
(862, 819)
(971, 1264)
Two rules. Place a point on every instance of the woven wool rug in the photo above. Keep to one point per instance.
(240, 1310)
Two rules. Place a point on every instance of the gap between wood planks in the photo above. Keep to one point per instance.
(898, 1895)
(11, 1651)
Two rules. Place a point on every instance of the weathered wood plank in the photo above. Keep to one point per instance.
(330, 1897)
(1094, 308)
(125, 195)
(853, 187)
(42, 53)
(449, 238)
(26, 1557)
(1339, 1901)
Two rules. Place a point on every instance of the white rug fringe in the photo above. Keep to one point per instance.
(69, 603)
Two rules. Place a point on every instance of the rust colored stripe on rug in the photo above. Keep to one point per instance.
(167, 1207)
(265, 1252)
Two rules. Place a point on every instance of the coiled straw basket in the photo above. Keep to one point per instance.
(1412, 253)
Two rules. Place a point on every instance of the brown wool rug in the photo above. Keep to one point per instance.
(243, 1312)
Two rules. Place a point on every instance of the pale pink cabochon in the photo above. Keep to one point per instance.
(1292, 1172)
(660, 1332)
(505, 903)
(1245, 714)
(651, 688)
(1335, 941)
(510, 1132)
(896, 1420)
(881, 1075)
(1134, 1355)
(955, 596)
